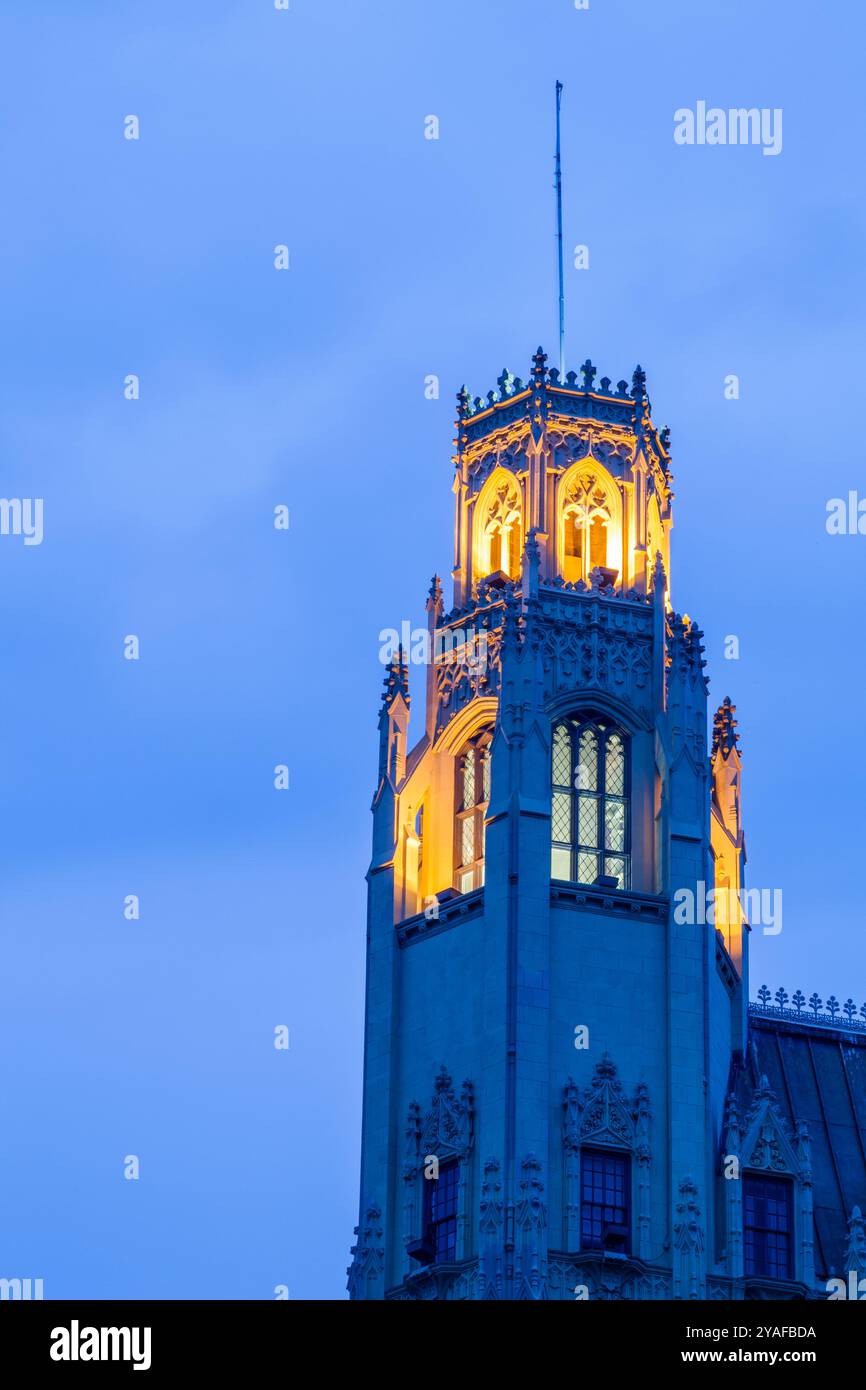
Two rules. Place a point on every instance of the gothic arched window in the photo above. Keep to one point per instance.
(589, 821)
(472, 794)
(586, 519)
(500, 534)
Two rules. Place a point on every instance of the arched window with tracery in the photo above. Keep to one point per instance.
(590, 802)
(472, 793)
(500, 532)
(586, 520)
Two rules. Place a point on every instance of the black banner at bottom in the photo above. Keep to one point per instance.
(155, 1338)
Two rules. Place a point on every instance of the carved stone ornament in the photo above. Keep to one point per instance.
(766, 1144)
(601, 1113)
(447, 1128)
(368, 1260)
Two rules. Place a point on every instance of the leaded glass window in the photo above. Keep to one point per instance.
(441, 1196)
(604, 1201)
(767, 1226)
(561, 756)
(468, 790)
(589, 821)
(472, 796)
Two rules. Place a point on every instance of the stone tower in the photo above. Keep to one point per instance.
(556, 1027)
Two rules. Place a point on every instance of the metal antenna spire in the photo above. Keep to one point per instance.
(559, 239)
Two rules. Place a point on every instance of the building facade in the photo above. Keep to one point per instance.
(566, 1091)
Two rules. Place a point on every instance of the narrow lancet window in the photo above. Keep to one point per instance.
(472, 796)
(589, 821)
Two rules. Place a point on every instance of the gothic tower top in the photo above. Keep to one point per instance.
(575, 465)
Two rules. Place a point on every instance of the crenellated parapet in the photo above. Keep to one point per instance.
(580, 417)
(577, 396)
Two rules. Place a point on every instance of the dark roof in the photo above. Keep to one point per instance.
(818, 1074)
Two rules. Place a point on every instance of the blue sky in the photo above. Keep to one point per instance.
(306, 387)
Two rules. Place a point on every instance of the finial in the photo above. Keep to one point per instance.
(532, 556)
(538, 412)
(396, 679)
(855, 1250)
(605, 1069)
(659, 578)
(588, 372)
(434, 603)
(725, 736)
(732, 1111)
